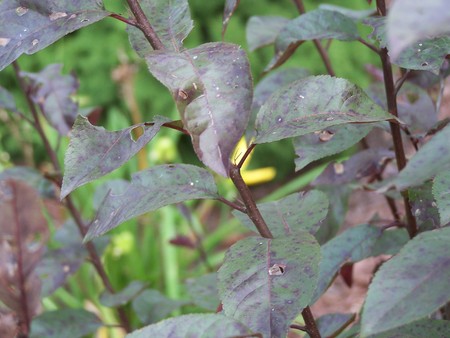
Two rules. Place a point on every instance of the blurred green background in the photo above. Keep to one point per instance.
(98, 55)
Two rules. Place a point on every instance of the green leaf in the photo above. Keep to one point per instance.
(390, 242)
(171, 21)
(300, 211)
(431, 159)
(64, 323)
(149, 190)
(203, 291)
(52, 92)
(351, 13)
(7, 99)
(330, 141)
(441, 192)
(352, 245)
(423, 207)
(212, 87)
(265, 283)
(193, 325)
(403, 18)
(299, 108)
(152, 306)
(332, 323)
(419, 329)
(409, 286)
(230, 7)
(94, 152)
(263, 30)
(36, 24)
(124, 296)
(318, 24)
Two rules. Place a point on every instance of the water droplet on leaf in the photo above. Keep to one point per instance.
(195, 57)
(35, 42)
(301, 97)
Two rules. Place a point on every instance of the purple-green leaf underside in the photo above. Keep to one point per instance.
(268, 302)
(300, 108)
(420, 268)
(7, 100)
(171, 21)
(212, 87)
(402, 22)
(318, 24)
(352, 245)
(330, 141)
(419, 168)
(52, 92)
(263, 30)
(441, 192)
(149, 190)
(230, 7)
(300, 211)
(94, 152)
(193, 325)
(29, 26)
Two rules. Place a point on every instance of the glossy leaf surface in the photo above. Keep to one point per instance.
(64, 323)
(94, 152)
(299, 108)
(418, 170)
(420, 268)
(171, 21)
(263, 297)
(318, 24)
(352, 245)
(35, 24)
(403, 16)
(330, 141)
(193, 325)
(212, 87)
(441, 192)
(300, 211)
(263, 30)
(149, 190)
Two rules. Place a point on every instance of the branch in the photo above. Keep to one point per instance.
(395, 128)
(144, 25)
(367, 44)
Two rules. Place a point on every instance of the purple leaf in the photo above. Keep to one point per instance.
(212, 87)
(420, 268)
(203, 291)
(33, 25)
(52, 92)
(94, 152)
(171, 21)
(230, 7)
(152, 189)
(263, 30)
(7, 100)
(193, 325)
(421, 328)
(265, 283)
(332, 323)
(300, 108)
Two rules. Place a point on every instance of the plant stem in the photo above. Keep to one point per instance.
(260, 224)
(395, 127)
(93, 255)
(323, 53)
(144, 25)
(367, 44)
(233, 205)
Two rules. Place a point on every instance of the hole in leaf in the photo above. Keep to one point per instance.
(136, 133)
(338, 168)
(277, 269)
(325, 135)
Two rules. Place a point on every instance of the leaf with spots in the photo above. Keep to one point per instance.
(419, 329)
(194, 325)
(265, 283)
(52, 92)
(331, 324)
(327, 142)
(424, 207)
(300, 211)
(441, 192)
(36, 24)
(402, 19)
(212, 87)
(171, 21)
(352, 245)
(263, 30)
(149, 190)
(431, 159)
(390, 242)
(230, 7)
(351, 13)
(420, 269)
(318, 24)
(94, 152)
(300, 108)
(203, 291)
